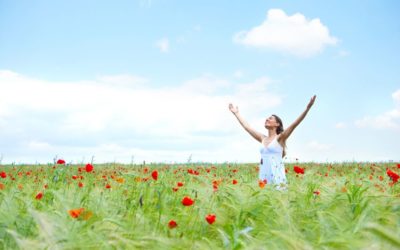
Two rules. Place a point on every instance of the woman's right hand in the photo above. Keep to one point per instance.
(233, 109)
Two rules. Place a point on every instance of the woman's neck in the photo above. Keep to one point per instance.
(272, 133)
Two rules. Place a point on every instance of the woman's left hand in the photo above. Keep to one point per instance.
(312, 100)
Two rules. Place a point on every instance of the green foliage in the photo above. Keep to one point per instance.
(331, 206)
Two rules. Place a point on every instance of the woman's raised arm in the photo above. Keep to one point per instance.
(256, 135)
(288, 131)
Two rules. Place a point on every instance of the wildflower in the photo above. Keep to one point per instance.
(108, 186)
(392, 175)
(234, 182)
(298, 170)
(316, 192)
(172, 224)
(80, 184)
(39, 196)
(60, 161)
(74, 213)
(74, 177)
(186, 201)
(262, 183)
(89, 167)
(180, 184)
(175, 189)
(120, 180)
(210, 218)
(154, 175)
(3, 174)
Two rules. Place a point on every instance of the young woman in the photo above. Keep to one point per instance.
(272, 150)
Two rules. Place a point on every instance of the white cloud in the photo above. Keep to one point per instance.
(289, 34)
(123, 80)
(396, 97)
(315, 145)
(37, 145)
(40, 119)
(238, 74)
(341, 125)
(163, 45)
(388, 120)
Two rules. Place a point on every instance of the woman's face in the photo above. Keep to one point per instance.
(271, 122)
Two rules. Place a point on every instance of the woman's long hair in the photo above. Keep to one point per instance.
(280, 130)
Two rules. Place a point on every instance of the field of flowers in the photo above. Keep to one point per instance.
(199, 206)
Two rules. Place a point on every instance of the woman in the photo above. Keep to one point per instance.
(273, 146)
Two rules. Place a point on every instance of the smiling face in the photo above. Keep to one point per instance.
(271, 123)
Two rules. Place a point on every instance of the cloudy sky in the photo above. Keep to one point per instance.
(151, 80)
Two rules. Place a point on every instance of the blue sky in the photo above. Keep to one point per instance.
(153, 79)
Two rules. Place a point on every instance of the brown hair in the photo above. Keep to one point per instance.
(280, 130)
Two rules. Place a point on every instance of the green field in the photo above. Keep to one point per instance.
(116, 206)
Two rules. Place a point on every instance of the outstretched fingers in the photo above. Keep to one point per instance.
(312, 100)
(232, 108)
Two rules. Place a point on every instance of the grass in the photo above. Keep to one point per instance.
(331, 206)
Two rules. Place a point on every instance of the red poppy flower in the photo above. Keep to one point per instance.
(392, 175)
(80, 184)
(108, 186)
(262, 183)
(89, 167)
(3, 175)
(74, 213)
(172, 224)
(175, 189)
(210, 218)
(298, 170)
(234, 182)
(316, 192)
(39, 196)
(74, 177)
(180, 184)
(398, 165)
(186, 201)
(60, 161)
(154, 175)
(193, 172)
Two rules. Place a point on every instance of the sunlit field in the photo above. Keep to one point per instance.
(199, 206)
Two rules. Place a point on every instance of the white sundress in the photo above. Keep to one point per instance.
(272, 168)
